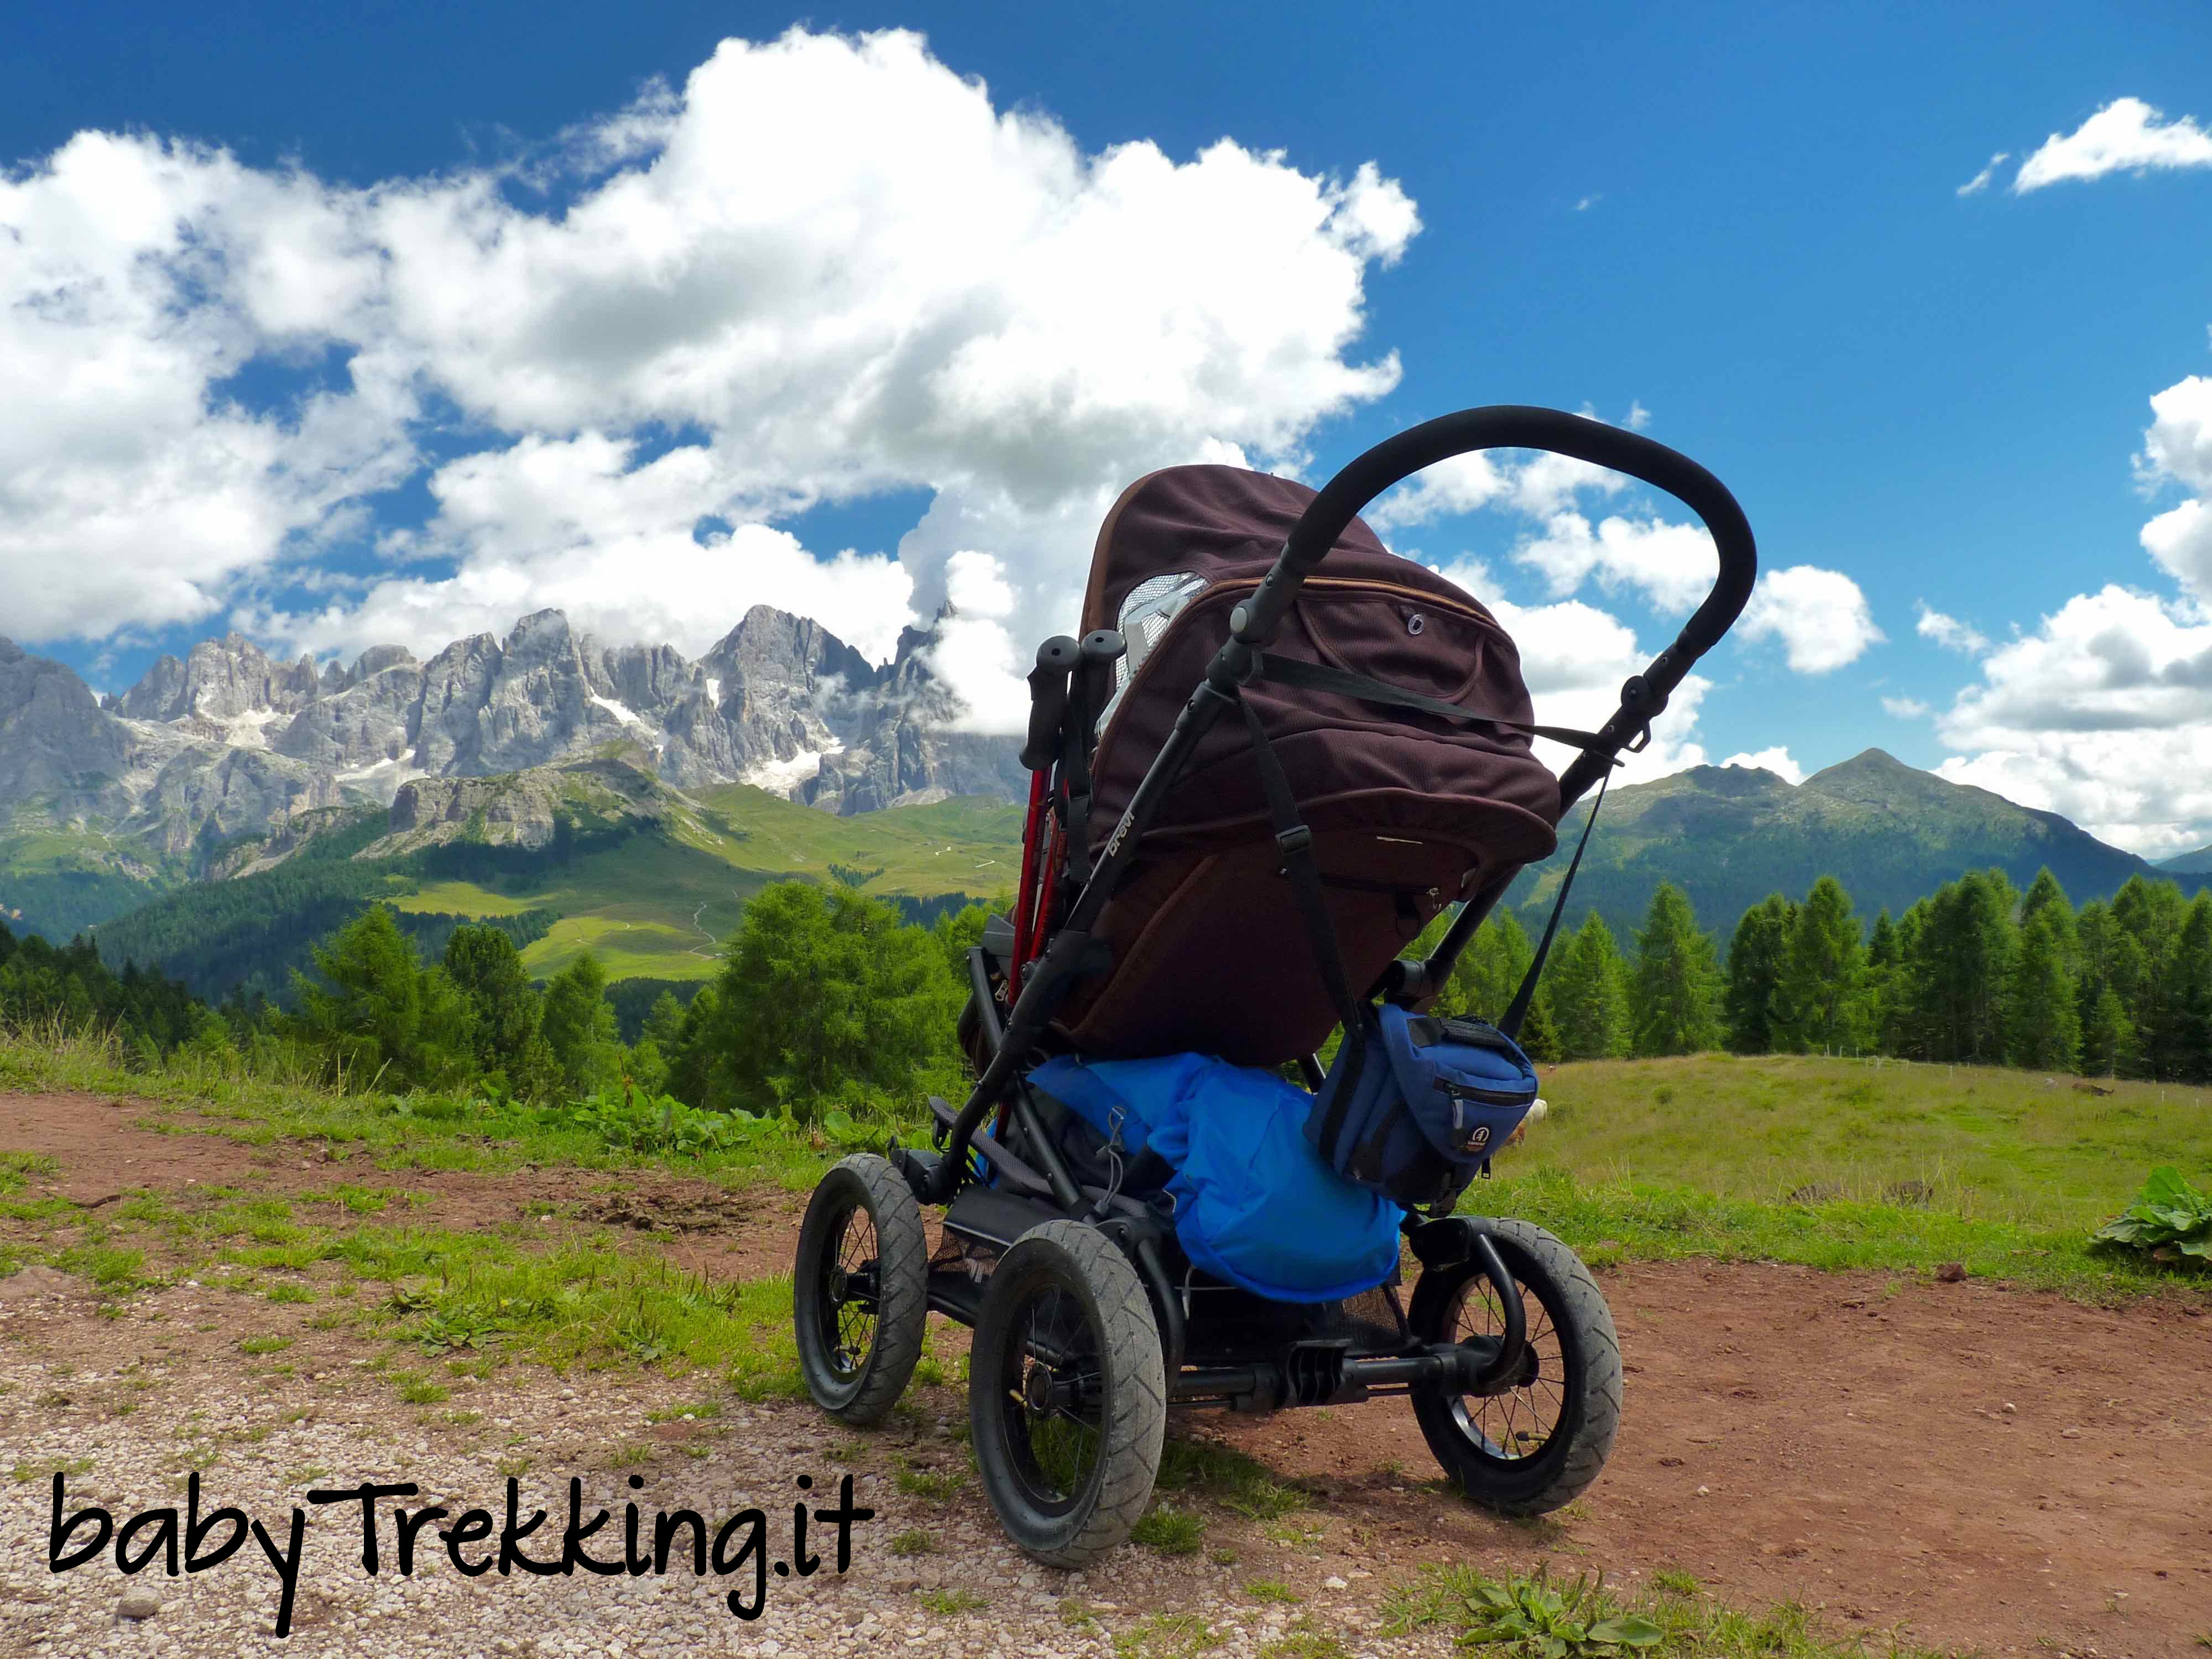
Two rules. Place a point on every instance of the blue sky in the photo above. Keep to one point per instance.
(1744, 220)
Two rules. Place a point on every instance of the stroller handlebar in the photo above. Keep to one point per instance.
(1509, 426)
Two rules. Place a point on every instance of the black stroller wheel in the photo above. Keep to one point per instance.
(861, 1289)
(1539, 1441)
(1067, 1395)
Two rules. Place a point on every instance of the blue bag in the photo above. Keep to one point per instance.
(1254, 1206)
(1433, 1098)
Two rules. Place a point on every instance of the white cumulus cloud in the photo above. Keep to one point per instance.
(1574, 657)
(2125, 136)
(2104, 713)
(1776, 759)
(1949, 632)
(823, 268)
(1673, 564)
(1906, 709)
(975, 655)
(1820, 616)
(2178, 449)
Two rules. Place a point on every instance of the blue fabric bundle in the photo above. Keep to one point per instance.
(1255, 1204)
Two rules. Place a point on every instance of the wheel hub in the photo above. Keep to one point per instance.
(1038, 1386)
(838, 1283)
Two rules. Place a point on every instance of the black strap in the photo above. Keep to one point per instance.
(1509, 1023)
(1295, 841)
(1317, 677)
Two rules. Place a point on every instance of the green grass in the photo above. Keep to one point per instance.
(1305, 1640)
(1167, 1636)
(588, 1304)
(382, 1132)
(655, 905)
(1206, 1469)
(1448, 1599)
(952, 1603)
(1170, 1530)
(1896, 1168)
(936, 1485)
(1989, 1144)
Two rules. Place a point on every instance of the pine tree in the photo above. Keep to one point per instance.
(380, 1019)
(664, 1023)
(1489, 970)
(1961, 964)
(1820, 982)
(1590, 994)
(1540, 1036)
(820, 992)
(2108, 1036)
(2044, 895)
(2043, 1018)
(2149, 915)
(578, 1027)
(488, 971)
(1878, 980)
(2188, 1012)
(1756, 957)
(1674, 993)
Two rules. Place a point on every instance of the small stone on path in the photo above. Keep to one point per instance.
(139, 1603)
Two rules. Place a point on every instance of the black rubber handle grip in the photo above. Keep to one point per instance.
(1056, 661)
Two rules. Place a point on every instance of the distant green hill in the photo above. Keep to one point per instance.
(647, 877)
(2198, 863)
(651, 878)
(1891, 833)
(59, 881)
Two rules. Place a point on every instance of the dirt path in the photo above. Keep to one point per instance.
(104, 1151)
(1978, 1468)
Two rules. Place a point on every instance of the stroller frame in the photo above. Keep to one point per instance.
(1217, 1345)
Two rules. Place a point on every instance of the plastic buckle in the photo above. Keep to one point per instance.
(1641, 741)
(1295, 841)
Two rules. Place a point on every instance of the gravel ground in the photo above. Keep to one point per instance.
(81, 1392)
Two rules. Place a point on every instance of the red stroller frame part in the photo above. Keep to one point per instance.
(1253, 626)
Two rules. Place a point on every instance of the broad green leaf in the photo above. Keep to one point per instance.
(1628, 1630)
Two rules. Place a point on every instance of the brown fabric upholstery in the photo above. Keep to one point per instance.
(1409, 810)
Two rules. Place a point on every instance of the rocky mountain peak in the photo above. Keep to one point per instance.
(230, 738)
(221, 679)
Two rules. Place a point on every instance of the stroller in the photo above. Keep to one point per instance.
(1277, 755)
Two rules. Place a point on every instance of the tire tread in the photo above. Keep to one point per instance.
(1131, 1437)
(1599, 1403)
(902, 1298)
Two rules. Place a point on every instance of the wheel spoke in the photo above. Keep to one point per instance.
(1519, 1422)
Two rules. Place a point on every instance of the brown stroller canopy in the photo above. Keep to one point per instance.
(1409, 810)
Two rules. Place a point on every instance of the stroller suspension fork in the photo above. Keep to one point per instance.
(1513, 1342)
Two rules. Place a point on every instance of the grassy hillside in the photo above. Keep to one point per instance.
(1891, 833)
(60, 881)
(651, 895)
(653, 904)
